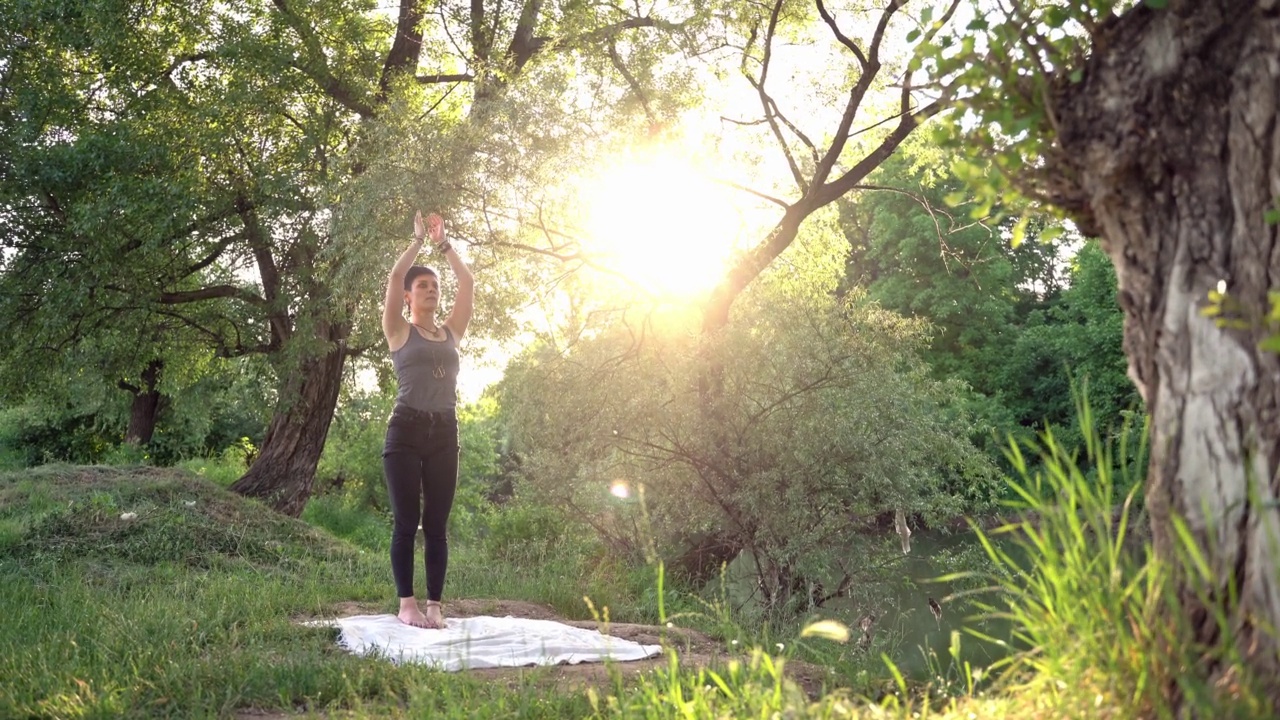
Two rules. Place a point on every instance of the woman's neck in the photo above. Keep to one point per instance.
(428, 323)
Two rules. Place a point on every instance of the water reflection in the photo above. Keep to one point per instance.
(900, 610)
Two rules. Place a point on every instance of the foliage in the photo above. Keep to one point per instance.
(823, 420)
(967, 277)
(1015, 321)
(1000, 71)
(964, 277)
(1095, 613)
(1077, 338)
(83, 420)
(351, 466)
(184, 181)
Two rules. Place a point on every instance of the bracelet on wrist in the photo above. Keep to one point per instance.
(444, 247)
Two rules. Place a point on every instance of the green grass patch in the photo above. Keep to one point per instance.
(149, 592)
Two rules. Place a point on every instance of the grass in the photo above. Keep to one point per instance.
(189, 608)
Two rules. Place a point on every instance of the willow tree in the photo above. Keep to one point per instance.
(204, 163)
(861, 107)
(1154, 127)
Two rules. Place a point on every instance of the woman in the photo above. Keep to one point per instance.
(420, 457)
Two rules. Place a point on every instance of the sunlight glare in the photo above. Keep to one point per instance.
(619, 489)
(662, 222)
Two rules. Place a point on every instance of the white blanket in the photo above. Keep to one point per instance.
(484, 642)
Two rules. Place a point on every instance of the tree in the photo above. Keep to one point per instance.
(1017, 321)
(823, 171)
(1153, 126)
(827, 423)
(1077, 339)
(821, 164)
(240, 169)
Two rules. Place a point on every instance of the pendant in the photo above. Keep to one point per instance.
(438, 372)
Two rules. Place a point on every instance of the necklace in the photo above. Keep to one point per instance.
(438, 373)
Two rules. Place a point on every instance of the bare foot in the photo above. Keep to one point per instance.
(435, 618)
(411, 615)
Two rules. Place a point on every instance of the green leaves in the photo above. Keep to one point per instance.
(1004, 319)
(1001, 71)
(820, 414)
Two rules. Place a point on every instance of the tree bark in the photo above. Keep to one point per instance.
(283, 473)
(1170, 150)
(145, 407)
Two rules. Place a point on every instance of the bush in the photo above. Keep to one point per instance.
(520, 528)
(787, 435)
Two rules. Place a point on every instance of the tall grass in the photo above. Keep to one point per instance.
(1092, 606)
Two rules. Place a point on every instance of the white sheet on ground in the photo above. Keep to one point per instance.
(484, 642)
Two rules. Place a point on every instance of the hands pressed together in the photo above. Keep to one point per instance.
(432, 225)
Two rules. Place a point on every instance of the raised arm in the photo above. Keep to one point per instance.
(394, 326)
(460, 314)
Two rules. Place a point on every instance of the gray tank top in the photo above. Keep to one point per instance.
(427, 371)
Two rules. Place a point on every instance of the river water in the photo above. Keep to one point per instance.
(905, 629)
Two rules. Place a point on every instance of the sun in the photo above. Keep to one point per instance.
(663, 222)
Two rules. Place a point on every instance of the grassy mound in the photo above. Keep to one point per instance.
(146, 516)
(189, 607)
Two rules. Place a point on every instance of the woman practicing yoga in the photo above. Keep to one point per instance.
(420, 457)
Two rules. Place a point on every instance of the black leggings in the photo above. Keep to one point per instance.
(420, 460)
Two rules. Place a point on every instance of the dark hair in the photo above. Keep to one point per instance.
(414, 272)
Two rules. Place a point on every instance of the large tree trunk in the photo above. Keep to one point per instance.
(1171, 151)
(145, 407)
(283, 473)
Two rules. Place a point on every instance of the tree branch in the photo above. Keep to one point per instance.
(846, 182)
(610, 31)
(737, 186)
(438, 79)
(179, 61)
(856, 95)
(878, 37)
(359, 350)
(211, 293)
(321, 74)
(402, 59)
(213, 255)
(481, 44)
(744, 123)
(831, 23)
(523, 44)
(267, 271)
(766, 102)
(616, 60)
